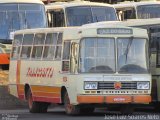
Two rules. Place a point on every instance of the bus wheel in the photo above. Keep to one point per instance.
(127, 109)
(69, 108)
(36, 107)
(87, 110)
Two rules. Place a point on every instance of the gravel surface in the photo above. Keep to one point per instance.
(4, 77)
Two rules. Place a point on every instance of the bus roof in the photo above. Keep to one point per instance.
(83, 31)
(74, 3)
(134, 4)
(131, 22)
(21, 1)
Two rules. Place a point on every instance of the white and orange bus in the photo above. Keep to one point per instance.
(81, 67)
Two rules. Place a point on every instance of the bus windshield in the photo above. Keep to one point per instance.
(132, 54)
(77, 16)
(97, 55)
(20, 16)
(148, 11)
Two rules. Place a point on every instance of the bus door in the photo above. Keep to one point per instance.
(126, 13)
(56, 18)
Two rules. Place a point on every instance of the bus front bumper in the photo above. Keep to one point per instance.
(140, 99)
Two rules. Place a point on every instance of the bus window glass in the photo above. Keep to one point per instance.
(132, 55)
(49, 52)
(58, 52)
(148, 11)
(38, 45)
(25, 53)
(60, 36)
(37, 52)
(59, 47)
(50, 45)
(155, 42)
(66, 50)
(103, 14)
(20, 16)
(97, 55)
(28, 39)
(27, 45)
(16, 46)
(51, 39)
(17, 40)
(66, 56)
(77, 16)
(39, 39)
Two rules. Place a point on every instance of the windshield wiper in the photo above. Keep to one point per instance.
(128, 48)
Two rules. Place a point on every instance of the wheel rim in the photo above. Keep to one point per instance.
(68, 106)
(30, 101)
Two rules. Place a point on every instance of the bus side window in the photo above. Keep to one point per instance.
(59, 47)
(66, 56)
(50, 46)
(27, 45)
(38, 45)
(16, 46)
(56, 18)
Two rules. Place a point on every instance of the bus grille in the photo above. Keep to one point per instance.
(110, 85)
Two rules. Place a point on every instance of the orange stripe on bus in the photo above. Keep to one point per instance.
(118, 99)
(142, 99)
(20, 91)
(90, 99)
(44, 94)
(45, 99)
(19, 87)
(46, 89)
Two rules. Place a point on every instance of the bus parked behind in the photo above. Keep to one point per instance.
(77, 13)
(16, 15)
(138, 10)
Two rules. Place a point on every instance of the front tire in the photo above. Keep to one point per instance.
(36, 107)
(69, 108)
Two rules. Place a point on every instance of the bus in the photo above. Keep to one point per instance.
(19, 14)
(22, 14)
(81, 68)
(138, 10)
(77, 13)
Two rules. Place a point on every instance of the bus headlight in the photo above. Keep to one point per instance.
(143, 85)
(90, 85)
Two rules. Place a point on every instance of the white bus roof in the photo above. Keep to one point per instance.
(131, 22)
(134, 4)
(74, 3)
(21, 1)
(83, 31)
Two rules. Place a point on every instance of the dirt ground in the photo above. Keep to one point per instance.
(4, 77)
